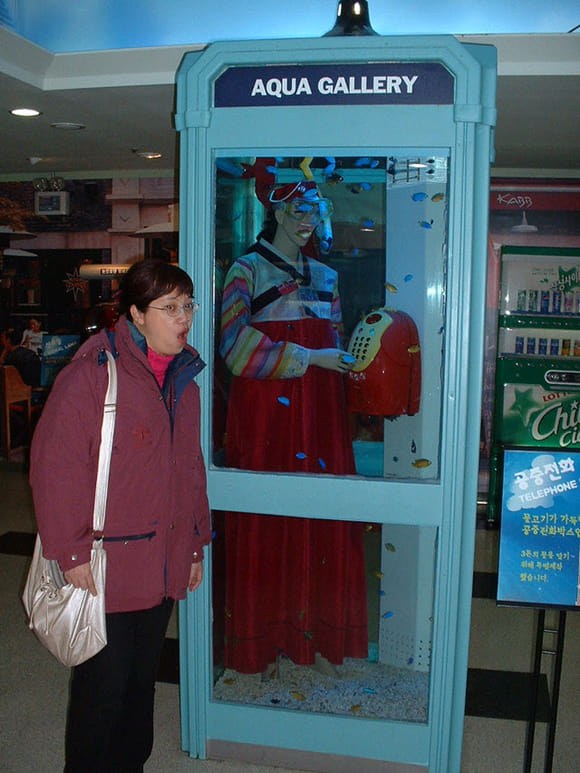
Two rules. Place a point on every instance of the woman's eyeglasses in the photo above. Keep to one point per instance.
(174, 309)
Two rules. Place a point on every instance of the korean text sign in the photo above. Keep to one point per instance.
(540, 528)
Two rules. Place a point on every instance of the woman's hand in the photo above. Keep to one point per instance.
(195, 576)
(332, 359)
(82, 577)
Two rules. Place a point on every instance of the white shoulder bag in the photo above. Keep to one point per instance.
(69, 621)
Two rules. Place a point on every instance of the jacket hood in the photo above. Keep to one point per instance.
(126, 335)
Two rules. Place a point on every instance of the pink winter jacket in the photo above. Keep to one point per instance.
(157, 519)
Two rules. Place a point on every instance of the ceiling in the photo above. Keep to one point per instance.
(126, 99)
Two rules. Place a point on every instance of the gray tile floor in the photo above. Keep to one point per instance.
(33, 686)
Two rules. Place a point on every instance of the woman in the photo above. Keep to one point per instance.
(32, 337)
(293, 585)
(157, 519)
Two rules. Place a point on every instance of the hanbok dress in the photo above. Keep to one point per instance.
(294, 586)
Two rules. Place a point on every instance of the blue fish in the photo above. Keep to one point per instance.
(362, 162)
(388, 614)
(408, 277)
(331, 165)
(301, 455)
(426, 223)
(229, 167)
(419, 196)
(284, 400)
(358, 187)
(322, 464)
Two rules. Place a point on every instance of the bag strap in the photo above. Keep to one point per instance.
(106, 447)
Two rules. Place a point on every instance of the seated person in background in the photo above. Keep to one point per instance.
(32, 337)
(26, 361)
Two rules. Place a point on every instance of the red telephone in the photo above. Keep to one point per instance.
(386, 377)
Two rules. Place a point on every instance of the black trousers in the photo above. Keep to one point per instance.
(110, 713)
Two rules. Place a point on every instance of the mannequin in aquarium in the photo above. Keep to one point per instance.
(295, 587)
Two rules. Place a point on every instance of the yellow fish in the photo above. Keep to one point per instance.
(438, 197)
(379, 575)
(298, 696)
(414, 349)
(355, 709)
(391, 288)
(422, 463)
(229, 681)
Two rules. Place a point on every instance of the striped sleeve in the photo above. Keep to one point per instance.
(336, 315)
(246, 351)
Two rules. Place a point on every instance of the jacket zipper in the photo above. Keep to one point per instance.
(131, 537)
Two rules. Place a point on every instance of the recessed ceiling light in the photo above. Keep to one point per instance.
(67, 125)
(25, 112)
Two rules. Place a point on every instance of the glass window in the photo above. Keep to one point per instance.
(323, 616)
(330, 314)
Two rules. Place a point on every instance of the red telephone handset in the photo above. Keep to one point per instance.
(386, 377)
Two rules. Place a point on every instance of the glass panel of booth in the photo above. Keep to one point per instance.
(330, 285)
(329, 340)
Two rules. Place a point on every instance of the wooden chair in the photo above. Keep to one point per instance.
(15, 396)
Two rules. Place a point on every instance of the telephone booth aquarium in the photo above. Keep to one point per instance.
(332, 629)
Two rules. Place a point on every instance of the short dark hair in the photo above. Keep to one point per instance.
(148, 280)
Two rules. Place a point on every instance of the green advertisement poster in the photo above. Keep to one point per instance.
(540, 404)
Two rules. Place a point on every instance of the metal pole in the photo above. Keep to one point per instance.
(534, 693)
(549, 757)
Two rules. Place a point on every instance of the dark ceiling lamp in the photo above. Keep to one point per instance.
(352, 18)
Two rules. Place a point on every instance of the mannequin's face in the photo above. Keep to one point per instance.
(296, 231)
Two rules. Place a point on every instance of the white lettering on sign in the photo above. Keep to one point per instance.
(555, 421)
(279, 87)
(514, 200)
(377, 84)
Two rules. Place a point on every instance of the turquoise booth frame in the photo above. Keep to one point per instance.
(464, 129)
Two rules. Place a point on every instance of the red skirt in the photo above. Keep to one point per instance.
(294, 586)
